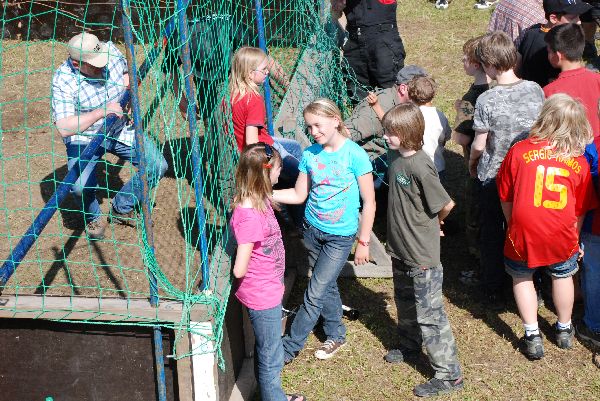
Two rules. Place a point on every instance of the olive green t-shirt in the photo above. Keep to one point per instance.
(415, 198)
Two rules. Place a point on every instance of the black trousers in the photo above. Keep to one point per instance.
(374, 56)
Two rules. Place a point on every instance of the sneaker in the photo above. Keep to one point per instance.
(564, 337)
(585, 334)
(533, 346)
(126, 219)
(483, 4)
(435, 387)
(400, 355)
(441, 4)
(328, 349)
(95, 229)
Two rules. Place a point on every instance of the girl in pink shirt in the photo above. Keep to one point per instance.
(260, 261)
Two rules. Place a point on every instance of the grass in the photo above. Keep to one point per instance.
(493, 367)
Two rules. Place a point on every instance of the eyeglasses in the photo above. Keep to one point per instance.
(265, 71)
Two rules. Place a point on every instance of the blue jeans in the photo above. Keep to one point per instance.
(590, 280)
(124, 201)
(327, 255)
(269, 351)
(491, 236)
(291, 154)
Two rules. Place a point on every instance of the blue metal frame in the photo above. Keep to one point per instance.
(197, 181)
(260, 24)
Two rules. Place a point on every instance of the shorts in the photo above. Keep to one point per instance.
(519, 269)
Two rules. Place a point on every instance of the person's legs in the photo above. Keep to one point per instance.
(291, 153)
(563, 297)
(156, 166)
(356, 70)
(590, 281)
(269, 351)
(433, 322)
(84, 188)
(409, 332)
(386, 57)
(327, 255)
(526, 299)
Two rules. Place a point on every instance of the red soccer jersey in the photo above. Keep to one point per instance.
(548, 194)
(249, 111)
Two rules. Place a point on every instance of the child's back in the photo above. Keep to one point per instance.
(437, 133)
(506, 113)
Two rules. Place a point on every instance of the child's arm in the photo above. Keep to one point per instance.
(278, 73)
(375, 105)
(296, 195)
(367, 193)
(251, 134)
(445, 211)
(242, 258)
(507, 210)
(477, 149)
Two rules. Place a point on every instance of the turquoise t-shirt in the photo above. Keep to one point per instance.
(334, 196)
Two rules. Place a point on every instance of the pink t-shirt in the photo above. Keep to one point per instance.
(262, 286)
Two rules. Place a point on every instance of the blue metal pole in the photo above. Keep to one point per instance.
(196, 158)
(260, 24)
(159, 364)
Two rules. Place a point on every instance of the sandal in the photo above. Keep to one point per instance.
(297, 397)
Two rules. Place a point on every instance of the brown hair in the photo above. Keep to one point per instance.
(495, 49)
(563, 123)
(469, 49)
(407, 123)
(421, 89)
(252, 176)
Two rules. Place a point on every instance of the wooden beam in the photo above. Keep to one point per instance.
(95, 309)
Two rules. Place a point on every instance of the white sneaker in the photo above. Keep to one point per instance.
(483, 4)
(328, 349)
(441, 4)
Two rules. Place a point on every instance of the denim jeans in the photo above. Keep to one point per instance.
(269, 351)
(491, 235)
(291, 154)
(124, 201)
(590, 280)
(327, 255)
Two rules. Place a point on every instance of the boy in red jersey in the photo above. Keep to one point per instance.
(545, 189)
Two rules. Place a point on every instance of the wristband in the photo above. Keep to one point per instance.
(363, 243)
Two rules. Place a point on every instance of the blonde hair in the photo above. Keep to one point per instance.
(252, 176)
(421, 89)
(405, 121)
(245, 60)
(563, 123)
(327, 108)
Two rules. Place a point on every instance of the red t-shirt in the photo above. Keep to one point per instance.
(583, 85)
(249, 111)
(548, 194)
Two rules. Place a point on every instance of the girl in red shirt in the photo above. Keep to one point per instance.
(545, 189)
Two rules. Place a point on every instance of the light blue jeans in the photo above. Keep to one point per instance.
(590, 280)
(291, 154)
(269, 352)
(124, 201)
(327, 255)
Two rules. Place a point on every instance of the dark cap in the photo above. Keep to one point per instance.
(409, 72)
(575, 7)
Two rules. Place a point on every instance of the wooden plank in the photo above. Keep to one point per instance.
(204, 364)
(185, 383)
(95, 309)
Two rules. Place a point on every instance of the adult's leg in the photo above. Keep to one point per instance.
(84, 188)
(386, 57)
(590, 281)
(156, 166)
(356, 57)
(435, 327)
(269, 351)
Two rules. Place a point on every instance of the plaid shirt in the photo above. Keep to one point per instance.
(515, 16)
(74, 94)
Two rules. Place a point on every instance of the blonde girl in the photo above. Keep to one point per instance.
(545, 190)
(260, 262)
(334, 174)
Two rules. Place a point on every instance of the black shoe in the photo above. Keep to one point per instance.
(533, 346)
(585, 334)
(400, 355)
(564, 337)
(436, 387)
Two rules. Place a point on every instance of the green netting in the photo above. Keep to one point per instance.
(64, 266)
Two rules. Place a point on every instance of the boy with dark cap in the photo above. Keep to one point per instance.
(534, 56)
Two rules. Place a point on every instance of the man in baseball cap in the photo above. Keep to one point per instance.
(86, 48)
(86, 88)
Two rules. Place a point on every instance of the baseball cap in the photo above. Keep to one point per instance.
(85, 47)
(409, 72)
(575, 7)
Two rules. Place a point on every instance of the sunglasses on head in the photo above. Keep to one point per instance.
(268, 154)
